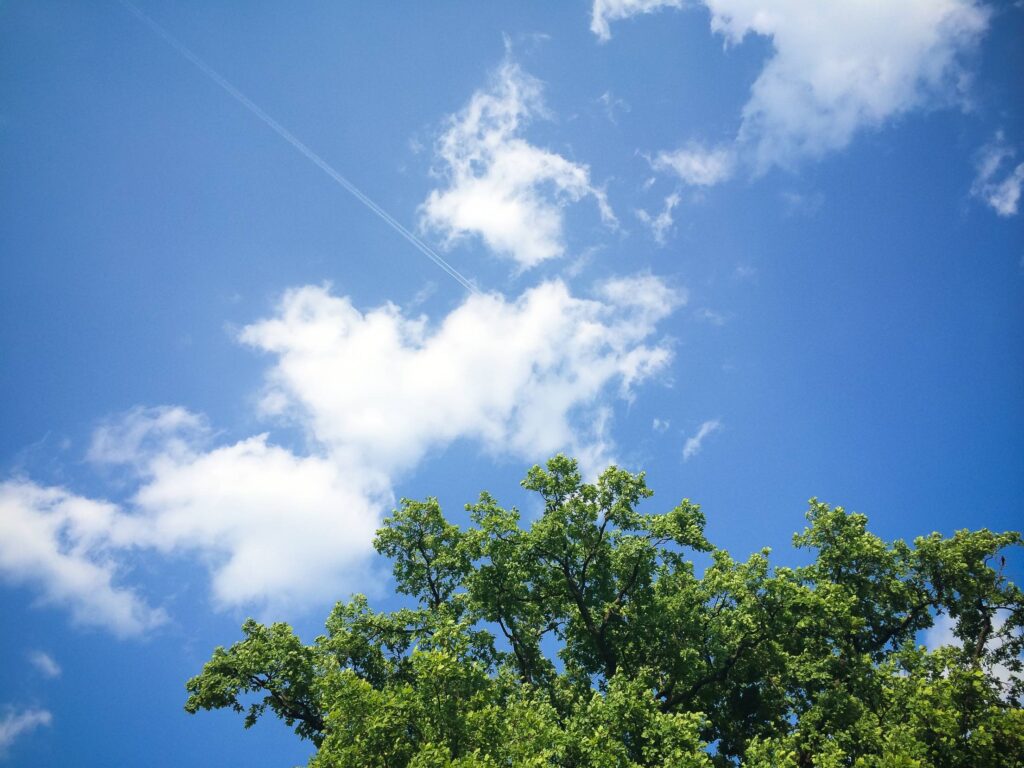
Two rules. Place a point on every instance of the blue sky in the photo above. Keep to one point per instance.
(762, 252)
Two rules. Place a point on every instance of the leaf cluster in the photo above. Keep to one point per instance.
(587, 638)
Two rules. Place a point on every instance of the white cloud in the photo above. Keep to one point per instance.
(45, 663)
(996, 159)
(501, 188)
(660, 425)
(274, 528)
(14, 724)
(380, 389)
(837, 67)
(661, 224)
(375, 392)
(605, 11)
(697, 165)
(61, 544)
(695, 443)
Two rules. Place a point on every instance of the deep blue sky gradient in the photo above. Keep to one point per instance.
(873, 358)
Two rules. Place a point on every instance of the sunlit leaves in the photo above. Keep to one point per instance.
(589, 639)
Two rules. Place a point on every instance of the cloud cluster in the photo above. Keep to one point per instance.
(380, 389)
(501, 188)
(836, 68)
(998, 181)
(375, 392)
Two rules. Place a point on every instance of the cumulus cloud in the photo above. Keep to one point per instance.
(273, 527)
(606, 11)
(14, 724)
(375, 392)
(381, 389)
(837, 67)
(998, 181)
(501, 188)
(45, 663)
(842, 66)
(695, 443)
(62, 545)
(697, 165)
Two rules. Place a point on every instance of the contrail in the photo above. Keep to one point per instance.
(288, 136)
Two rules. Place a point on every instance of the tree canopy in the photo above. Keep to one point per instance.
(589, 637)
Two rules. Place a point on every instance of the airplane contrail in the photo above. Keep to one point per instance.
(288, 136)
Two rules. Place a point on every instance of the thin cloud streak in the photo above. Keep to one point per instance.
(14, 724)
(695, 443)
(45, 663)
(304, 150)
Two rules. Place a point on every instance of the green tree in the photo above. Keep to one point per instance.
(590, 639)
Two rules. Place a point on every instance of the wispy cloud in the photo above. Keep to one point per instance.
(661, 224)
(697, 165)
(802, 204)
(998, 181)
(710, 316)
(606, 11)
(45, 663)
(501, 188)
(13, 724)
(134, 437)
(694, 444)
(612, 106)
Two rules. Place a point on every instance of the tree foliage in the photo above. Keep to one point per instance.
(588, 638)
